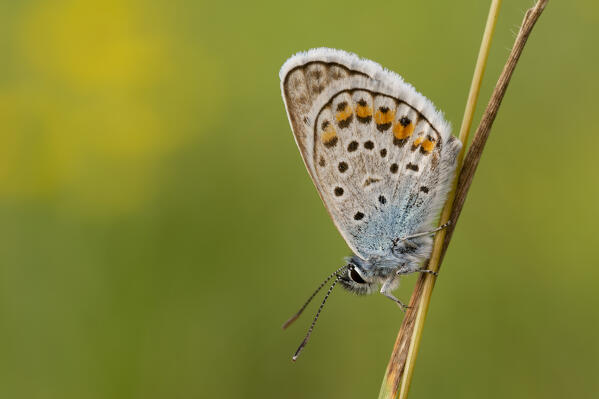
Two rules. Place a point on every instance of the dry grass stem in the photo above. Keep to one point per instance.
(401, 365)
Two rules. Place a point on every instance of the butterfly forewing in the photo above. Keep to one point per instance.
(375, 148)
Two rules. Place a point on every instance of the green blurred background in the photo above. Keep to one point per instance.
(158, 225)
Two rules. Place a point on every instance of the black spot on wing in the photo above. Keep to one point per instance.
(370, 181)
(345, 122)
(412, 166)
(365, 119)
(381, 127)
(331, 143)
(404, 121)
(399, 142)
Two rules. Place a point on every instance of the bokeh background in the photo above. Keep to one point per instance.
(157, 224)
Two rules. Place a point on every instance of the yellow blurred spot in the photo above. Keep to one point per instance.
(107, 92)
(93, 43)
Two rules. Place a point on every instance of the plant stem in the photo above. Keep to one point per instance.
(401, 365)
(484, 128)
(420, 302)
(477, 78)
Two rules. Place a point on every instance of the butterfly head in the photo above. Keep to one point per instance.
(357, 278)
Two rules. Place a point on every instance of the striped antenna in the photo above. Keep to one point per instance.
(299, 312)
(305, 341)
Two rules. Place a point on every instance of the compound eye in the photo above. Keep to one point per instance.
(355, 276)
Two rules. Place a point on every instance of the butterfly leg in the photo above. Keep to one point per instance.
(428, 271)
(426, 233)
(386, 290)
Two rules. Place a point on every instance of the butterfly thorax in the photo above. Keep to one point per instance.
(401, 257)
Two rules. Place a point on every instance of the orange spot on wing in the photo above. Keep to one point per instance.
(384, 117)
(428, 145)
(343, 115)
(363, 111)
(329, 135)
(403, 132)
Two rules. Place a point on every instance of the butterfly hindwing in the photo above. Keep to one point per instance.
(380, 155)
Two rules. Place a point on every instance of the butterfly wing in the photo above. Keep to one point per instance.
(380, 154)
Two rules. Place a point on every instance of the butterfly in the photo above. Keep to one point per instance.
(382, 158)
